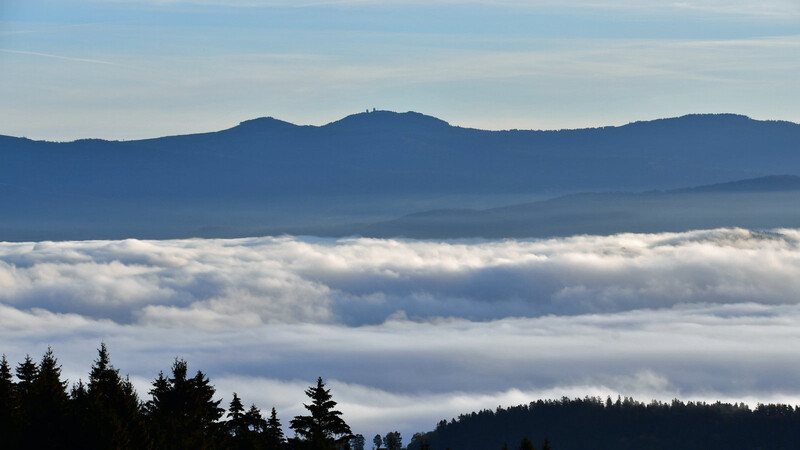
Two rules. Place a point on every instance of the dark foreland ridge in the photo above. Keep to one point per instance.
(368, 167)
(577, 424)
(757, 203)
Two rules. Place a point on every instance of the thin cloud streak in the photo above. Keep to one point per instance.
(775, 8)
(66, 58)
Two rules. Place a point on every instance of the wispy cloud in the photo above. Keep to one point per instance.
(61, 57)
(770, 8)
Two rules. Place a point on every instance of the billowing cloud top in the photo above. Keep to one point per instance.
(258, 281)
(463, 324)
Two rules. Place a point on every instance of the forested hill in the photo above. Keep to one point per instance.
(266, 173)
(592, 423)
(757, 204)
(387, 152)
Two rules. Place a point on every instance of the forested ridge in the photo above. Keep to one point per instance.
(624, 423)
(39, 410)
(266, 176)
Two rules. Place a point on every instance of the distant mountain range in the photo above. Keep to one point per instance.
(760, 203)
(266, 174)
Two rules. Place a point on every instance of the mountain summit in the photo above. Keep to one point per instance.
(388, 120)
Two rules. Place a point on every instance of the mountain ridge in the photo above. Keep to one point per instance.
(270, 122)
(366, 167)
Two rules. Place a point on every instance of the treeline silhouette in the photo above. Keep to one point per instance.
(622, 424)
(38, 412)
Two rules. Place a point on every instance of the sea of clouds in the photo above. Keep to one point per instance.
(410, 332)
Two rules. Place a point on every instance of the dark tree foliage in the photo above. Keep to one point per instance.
(106, 413)
(357, 442)
(274, 432)
(622, 424)
(393, 440)
(9, 421)
(112, 416)
(526, 444)
(419, 440)
(324, 428)
(26, 372)
(237, 426)
(246, 429)
(48, 401)
(182, 413)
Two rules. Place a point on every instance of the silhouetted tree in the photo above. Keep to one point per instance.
(357, 442)
(254, 421)
(182, 412)
(274, 432)
(113, 413)
(48, 405)
(393, 440)
(324, 428)
(526, 444)
(418, 440)
(9, 424)
(377, 441)
(26, 373)
(237, 425)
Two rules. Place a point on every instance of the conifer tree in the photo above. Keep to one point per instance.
(79, 404)
(237, 426)
(182, 412)
(48, 405)
(255, 421)
(324, 428)
(26, 373)
(9, 426)
(273, 432)
(6, 385)
(114, 413)
(526, 444)
(245, 429)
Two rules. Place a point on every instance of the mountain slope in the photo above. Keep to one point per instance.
(760, 203)
(266, 172)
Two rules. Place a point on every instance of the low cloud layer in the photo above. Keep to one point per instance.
(410, 332)
(253, 282)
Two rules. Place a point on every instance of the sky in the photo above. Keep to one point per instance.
(407, 333)
(132, 69)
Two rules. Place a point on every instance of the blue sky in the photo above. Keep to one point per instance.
(132, 69)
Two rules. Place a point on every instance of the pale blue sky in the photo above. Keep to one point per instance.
(131, 69)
